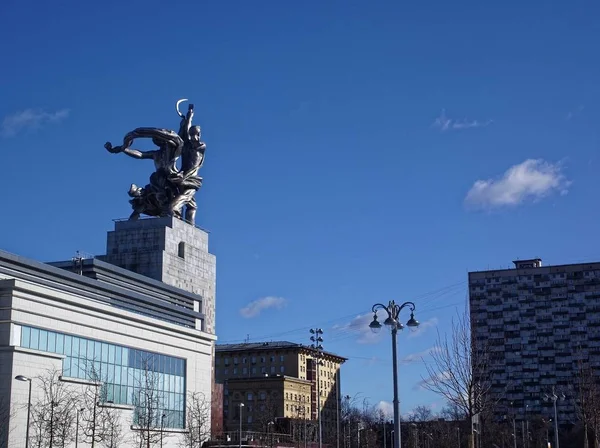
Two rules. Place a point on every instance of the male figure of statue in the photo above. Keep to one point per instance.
(192, 158)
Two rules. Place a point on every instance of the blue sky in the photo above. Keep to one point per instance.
(357, 152)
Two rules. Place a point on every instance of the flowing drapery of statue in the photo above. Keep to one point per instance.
(170, 188)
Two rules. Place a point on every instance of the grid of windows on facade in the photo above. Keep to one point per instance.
(126, 373)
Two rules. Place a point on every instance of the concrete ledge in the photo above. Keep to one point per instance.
(165, 430)
(69, 379)
(30, 351)
(126, 407)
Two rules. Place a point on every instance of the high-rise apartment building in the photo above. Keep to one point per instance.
(278, 380)
(538, 325)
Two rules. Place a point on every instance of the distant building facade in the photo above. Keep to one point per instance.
(278, 380)
(539, 324)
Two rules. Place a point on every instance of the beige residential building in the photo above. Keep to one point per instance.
(278, 380)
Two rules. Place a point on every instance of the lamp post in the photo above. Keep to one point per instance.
(554, 397)
(24, 378)
(415, 434)
(525, 427)
(77, 427)
(241, 408)
(52, 405)
(96, 400)
(547, 424)
(270, 431)
(393, 313)
(162, 428)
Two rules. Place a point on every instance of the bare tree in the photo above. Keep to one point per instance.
(53, 414)
(459, 371)
(99, 423)
(452, 412)
(147, 399)
(588, 401)
(112, 429)
(266, 413)
(421, 414)
(197, 420)
(6, 414)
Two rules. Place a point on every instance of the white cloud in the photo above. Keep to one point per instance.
(30, 119)
(359, 326)
(420, 355)
(531, 180)
(421, 384)
(386, 407)
(575, 112)
(255, 307)
(443, 123)
(423, 327)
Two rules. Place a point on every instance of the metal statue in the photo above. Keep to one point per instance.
(169, 188)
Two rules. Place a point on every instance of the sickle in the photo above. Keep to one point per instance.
(177, 107)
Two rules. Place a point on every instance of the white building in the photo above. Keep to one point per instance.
(88, 315)
(539, 324)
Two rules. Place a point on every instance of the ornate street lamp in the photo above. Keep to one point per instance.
(393, 313)
(554, 397)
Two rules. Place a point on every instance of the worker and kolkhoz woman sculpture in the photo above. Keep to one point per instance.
(170, 188)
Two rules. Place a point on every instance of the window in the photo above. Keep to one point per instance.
(181, 250)
(245, 371)
(235, 370)
(253, 370)
(120, 368)
(262, 359)
(263, 369)
(272, 358)
(235, 360)
(272, 369)
(250, 396)
(263, 396)
(281, 358)
(226, 372)
(282, 369)
(254, 360)
(244, 360)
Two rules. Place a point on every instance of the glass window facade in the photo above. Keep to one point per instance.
(125, 372)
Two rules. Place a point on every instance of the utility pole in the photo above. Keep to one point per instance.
(317, 347)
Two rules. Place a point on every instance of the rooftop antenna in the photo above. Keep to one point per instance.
(247, 339)
(78, 263)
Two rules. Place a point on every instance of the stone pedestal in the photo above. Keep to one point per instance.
(169, 250)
